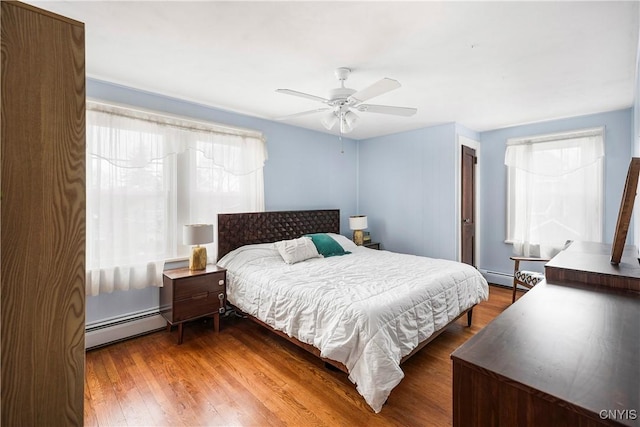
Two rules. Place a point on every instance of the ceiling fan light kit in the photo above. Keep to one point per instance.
(342, 100)
(329, 120)
(348, 121)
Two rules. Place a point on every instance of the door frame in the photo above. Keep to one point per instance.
(475, 145)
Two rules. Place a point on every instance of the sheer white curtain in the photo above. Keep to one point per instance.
(555, 191)
(149, 174)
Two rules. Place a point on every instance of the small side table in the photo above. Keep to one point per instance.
(191, 294)
(372, 245)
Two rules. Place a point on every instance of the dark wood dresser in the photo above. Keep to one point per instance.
(566, 354)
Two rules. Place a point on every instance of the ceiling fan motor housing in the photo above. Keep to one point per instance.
(339, 95)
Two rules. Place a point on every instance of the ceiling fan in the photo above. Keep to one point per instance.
(343, 100)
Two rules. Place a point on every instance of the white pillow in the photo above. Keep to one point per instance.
(297, 250)
(346, 243)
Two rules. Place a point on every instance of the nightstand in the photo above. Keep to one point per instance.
(372, 245)
(191, 294)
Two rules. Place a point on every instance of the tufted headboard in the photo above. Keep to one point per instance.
(239, 229)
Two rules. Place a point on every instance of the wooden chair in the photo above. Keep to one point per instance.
(528, 279)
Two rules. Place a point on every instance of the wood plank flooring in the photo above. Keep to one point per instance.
(246, 376)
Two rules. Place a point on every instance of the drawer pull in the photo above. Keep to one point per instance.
(220, 282)
(200, 296)
(221, 298)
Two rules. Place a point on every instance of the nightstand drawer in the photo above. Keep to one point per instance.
(197, 285)
(190, 294)
(196, 306)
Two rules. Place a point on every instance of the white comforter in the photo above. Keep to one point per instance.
(366, 310)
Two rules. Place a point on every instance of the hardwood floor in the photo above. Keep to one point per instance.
(246, 376)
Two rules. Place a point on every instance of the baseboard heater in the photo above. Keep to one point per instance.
(498, 278)
(122, 328)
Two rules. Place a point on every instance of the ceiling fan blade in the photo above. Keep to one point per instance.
(304, 113)
(378, 88)
(302, 95)
(387, 109)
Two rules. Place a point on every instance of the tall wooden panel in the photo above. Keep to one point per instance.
(42, 224)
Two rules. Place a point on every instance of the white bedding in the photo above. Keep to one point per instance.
(366, 310)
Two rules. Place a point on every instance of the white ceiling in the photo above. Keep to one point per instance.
(485, 65)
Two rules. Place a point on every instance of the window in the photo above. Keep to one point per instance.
(555, 191)
(147, 176)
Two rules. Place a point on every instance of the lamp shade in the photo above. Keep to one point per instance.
(197, 234)
(329, 120)
(358, 222)
(348, 121)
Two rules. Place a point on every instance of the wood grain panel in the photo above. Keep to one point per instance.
(510, 404)
(43, 217)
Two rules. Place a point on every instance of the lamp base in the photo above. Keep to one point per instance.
(358, 237)
(198, 258)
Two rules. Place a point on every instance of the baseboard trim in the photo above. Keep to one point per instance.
(118, 331)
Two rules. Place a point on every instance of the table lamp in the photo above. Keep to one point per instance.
(358, 223)
(197, 234)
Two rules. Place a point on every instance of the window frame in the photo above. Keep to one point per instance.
(557, 136)
(182, 143)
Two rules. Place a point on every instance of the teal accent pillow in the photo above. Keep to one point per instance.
(326, 245)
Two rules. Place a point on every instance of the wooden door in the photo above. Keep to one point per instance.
(43, 217)
(468, 202)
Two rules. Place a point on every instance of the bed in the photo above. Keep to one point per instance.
(364, 312)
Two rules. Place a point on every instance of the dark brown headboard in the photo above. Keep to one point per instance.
(239, 229)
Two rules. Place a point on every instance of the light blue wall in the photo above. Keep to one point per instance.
(618, 150)
(405, 183)
(305, 170)
(407, 190)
